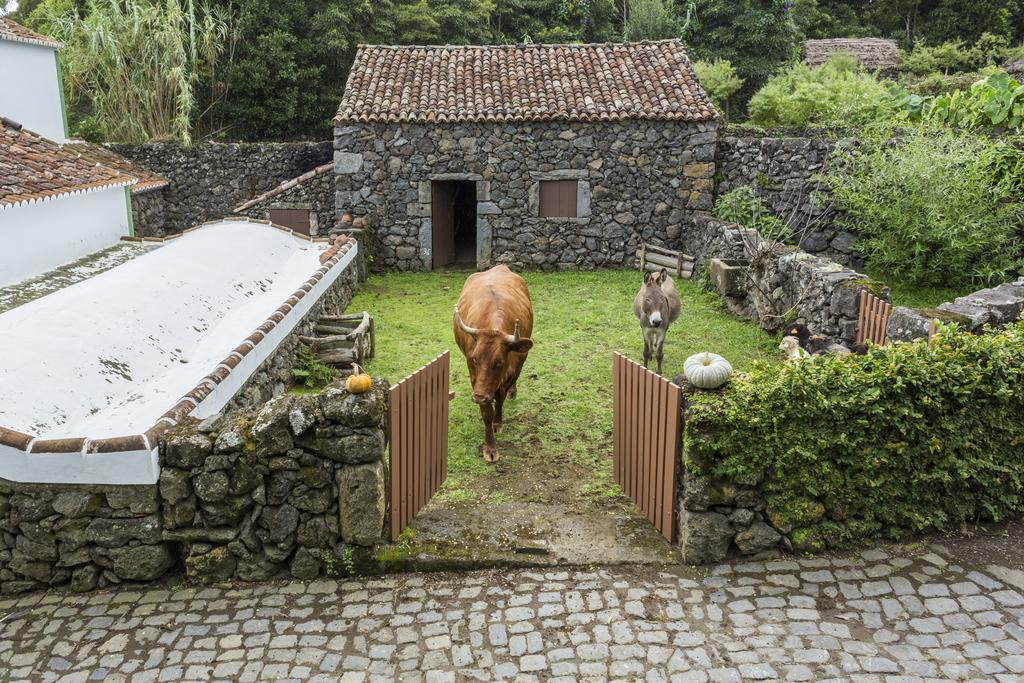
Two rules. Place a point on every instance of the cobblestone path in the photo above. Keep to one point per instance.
(874, 617)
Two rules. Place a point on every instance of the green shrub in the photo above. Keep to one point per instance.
(994, 102)
(836, 94)
(310, 372)
(928, 207)
(903, 439)
(743, 206)
(719, 80)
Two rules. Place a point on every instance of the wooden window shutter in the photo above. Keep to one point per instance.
(558, 198)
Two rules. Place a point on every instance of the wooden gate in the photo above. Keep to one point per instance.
(872, 319)
(418, 426)
(646, 435)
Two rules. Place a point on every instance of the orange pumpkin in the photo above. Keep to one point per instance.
(359, 382)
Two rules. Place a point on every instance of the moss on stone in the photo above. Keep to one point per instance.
(874, 286)
(788, 514)
(808, 540)
(943, 316)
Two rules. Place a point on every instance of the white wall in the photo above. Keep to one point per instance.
(29, 88)
(41, 235)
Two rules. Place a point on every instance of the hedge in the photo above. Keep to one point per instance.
(903, 439)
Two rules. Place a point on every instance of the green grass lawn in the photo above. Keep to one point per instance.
(557, 438)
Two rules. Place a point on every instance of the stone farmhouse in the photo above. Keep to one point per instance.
(541, 156)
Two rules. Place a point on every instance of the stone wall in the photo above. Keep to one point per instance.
(80, 536)
(638, 181)
(993, 306)
(774, 284)
(313, 191)
(210, 179)
(148, 213)
(781, 169)
(291, 487)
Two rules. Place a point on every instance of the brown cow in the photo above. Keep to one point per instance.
(493, 322)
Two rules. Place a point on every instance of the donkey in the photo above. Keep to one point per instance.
(656, 306)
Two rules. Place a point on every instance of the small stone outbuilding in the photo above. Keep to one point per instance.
(540, 156)
(874, 54)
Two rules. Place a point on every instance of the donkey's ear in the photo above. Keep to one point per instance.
(663, 275)
(648, 278)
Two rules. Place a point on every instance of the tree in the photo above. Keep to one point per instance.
(719, 80)
(290, 61)
(423, 22)
(756, 36)
(651, 20)
(136, 63)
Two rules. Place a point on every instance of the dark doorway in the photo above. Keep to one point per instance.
(296, 219)
(453, 220)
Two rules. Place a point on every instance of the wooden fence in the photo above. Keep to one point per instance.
(872, 319)
(418, 427)
(646, 435)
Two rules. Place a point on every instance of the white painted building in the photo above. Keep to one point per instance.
(30, 81)
(55, 205)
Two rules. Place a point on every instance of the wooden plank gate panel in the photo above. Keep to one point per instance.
(418, 436)
(872, 319)
(646, 440)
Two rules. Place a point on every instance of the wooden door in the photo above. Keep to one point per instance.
(442, 222)
(296, 219)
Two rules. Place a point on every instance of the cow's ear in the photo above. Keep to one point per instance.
(521, 346)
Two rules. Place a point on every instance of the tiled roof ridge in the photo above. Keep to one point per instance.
(286, 185)
(92, 176)
(147, 440)
(644, 80)
(15, 32)
(502, 46)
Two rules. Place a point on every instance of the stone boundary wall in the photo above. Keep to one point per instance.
(210, 179)
(780, 167)
(775, 284)
(293, 486)
(88, 536)
(313, 190)
(284, 487)
(638, 181)
(994, 306)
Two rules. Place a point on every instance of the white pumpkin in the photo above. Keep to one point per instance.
(707, 370)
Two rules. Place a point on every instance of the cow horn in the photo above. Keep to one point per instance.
(471, 331)
(514, 337)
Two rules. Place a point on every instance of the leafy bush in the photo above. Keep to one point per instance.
(836, 94)
(996, 101)
(903, 439)
(743, 206)
(929, 207)
(719, 80)
(310, 372)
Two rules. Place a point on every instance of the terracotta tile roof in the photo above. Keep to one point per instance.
(872, 53)
(145, 180)
(596, 82)
(286, 185)
(32, 167)
(10, 30)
